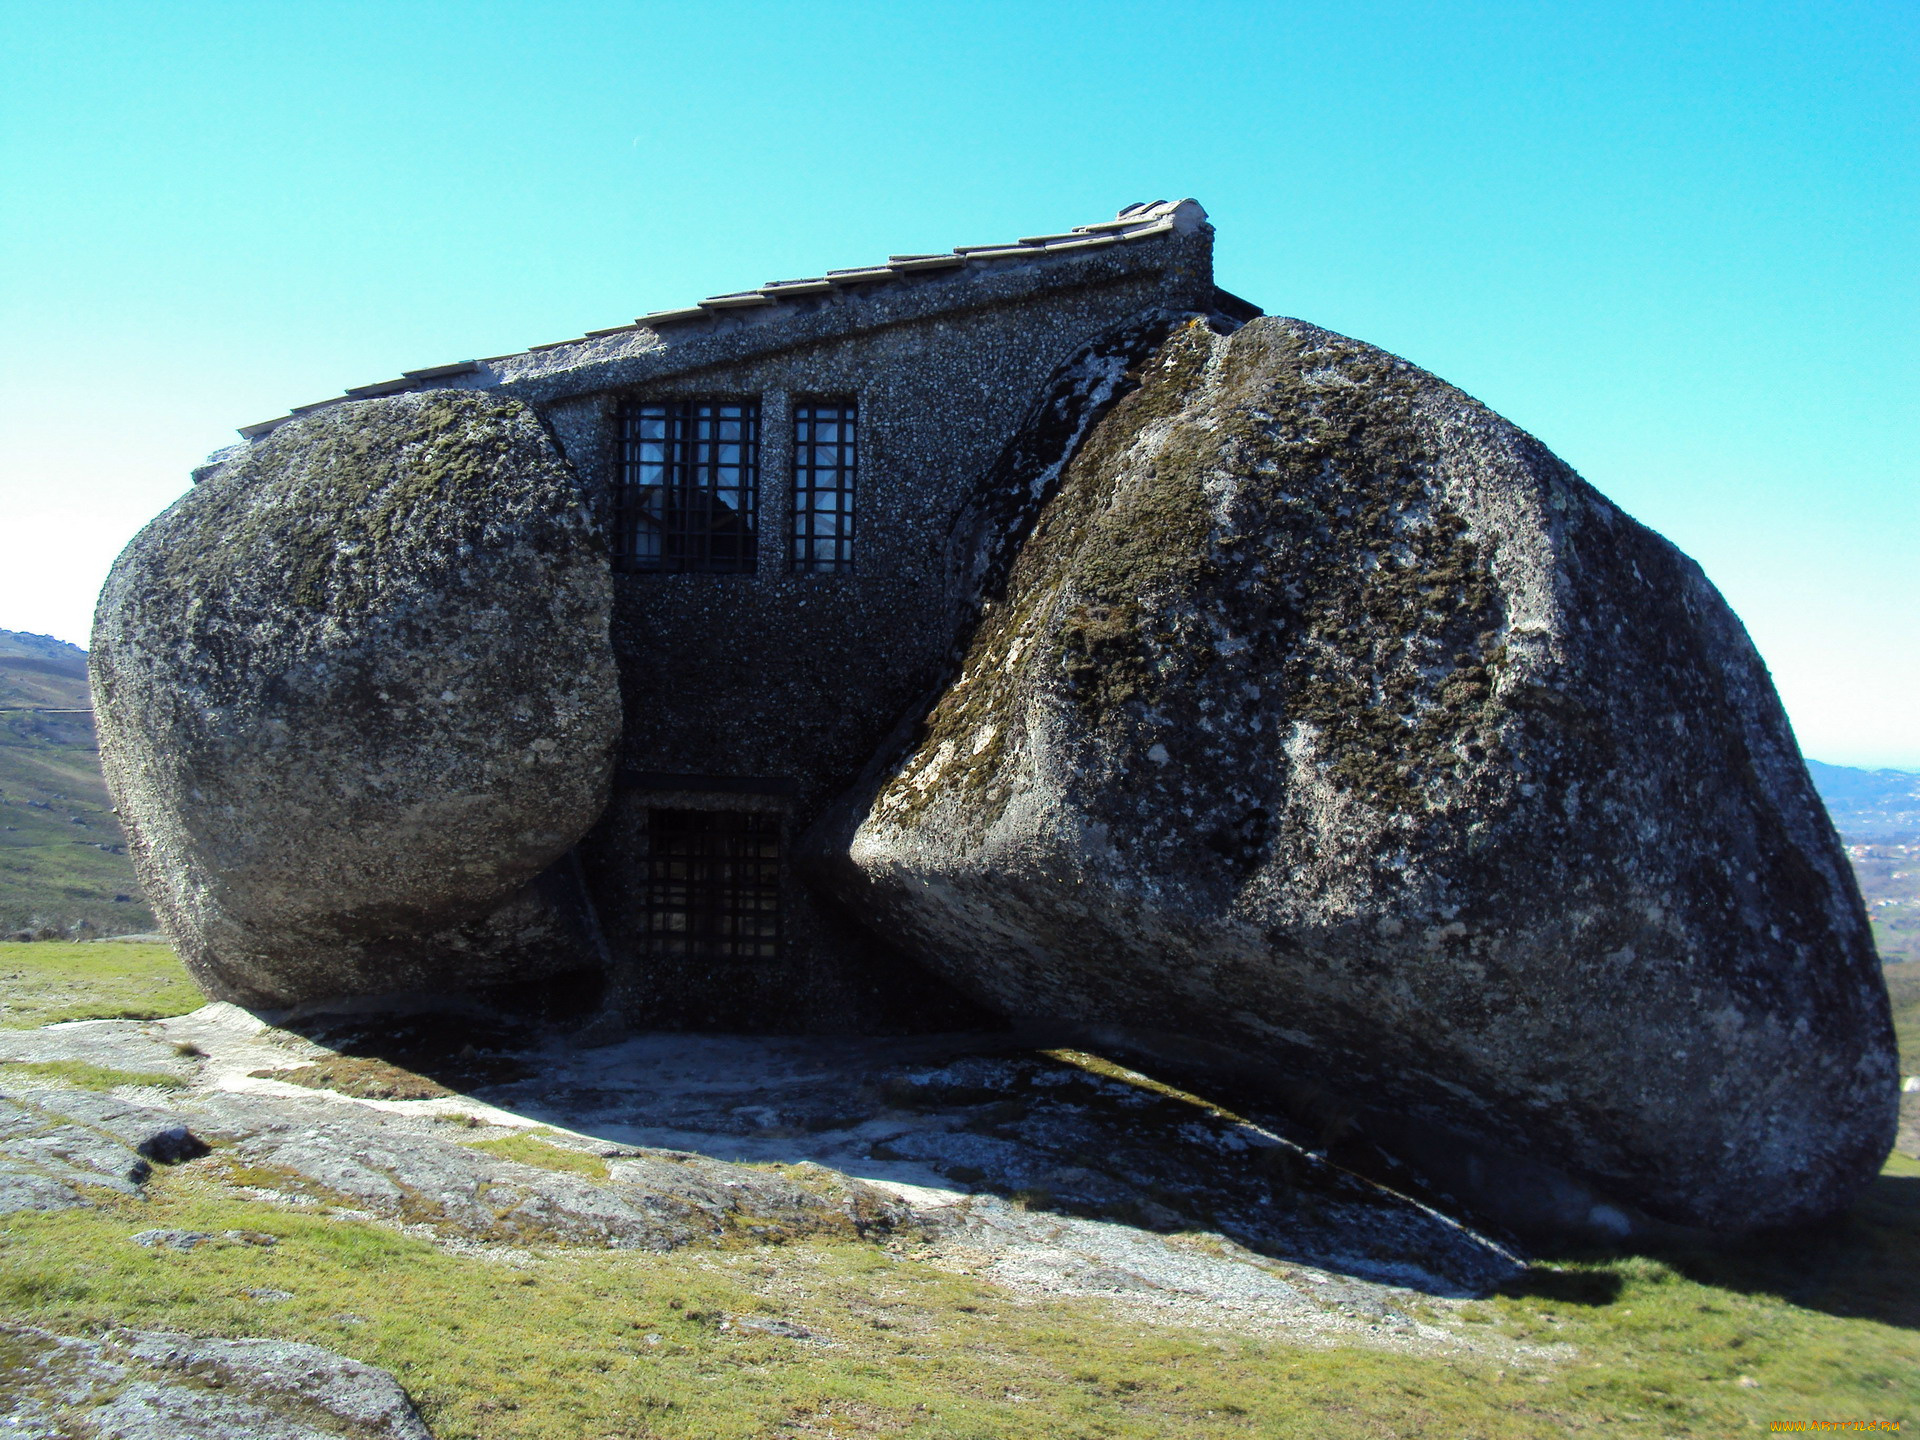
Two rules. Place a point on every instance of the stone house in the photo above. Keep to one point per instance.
(1036, 621)
(780, 471)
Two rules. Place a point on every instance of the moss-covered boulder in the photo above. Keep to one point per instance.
(356, 697)
(1327, 727)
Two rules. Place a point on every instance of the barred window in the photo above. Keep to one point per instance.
(824, 467)
(713, 885)
(689, 486)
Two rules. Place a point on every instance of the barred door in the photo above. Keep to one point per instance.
(713, 885)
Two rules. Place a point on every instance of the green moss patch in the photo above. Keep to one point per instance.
(532, 1150)
(1392, 603)
(46, 981)
(87, 1076)
(419, 466)
(1334, 534)
(363, 1077)
(1111, 545)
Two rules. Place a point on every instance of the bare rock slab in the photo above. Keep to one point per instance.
(1329, 728)
(356, 697)
(62, 1148)
(154, 1385)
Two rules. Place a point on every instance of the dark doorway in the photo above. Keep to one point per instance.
(713, 885)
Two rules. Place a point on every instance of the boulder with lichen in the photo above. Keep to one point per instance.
(357, 700)
(1328, 728)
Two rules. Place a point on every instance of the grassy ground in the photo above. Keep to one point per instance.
(46, 980)
(84, 1076)
(567, 1344)
(530, 1149)
(595, 1345)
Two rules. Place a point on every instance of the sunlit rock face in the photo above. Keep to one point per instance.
(356, 697)
(1325, 721)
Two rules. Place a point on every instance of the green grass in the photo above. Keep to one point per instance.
(1898, 1164)
(574, 1343)
(87, 1076)
(532, 1150)
(46, 981)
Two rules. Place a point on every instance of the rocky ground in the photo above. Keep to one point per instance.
(308, 1230)
(153, 1384)
(1050, 1174)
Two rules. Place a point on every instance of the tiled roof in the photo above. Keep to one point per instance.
(1135, 223)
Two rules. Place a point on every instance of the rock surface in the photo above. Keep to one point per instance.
(1329, 728)
(154, 1385)
(356, 697)
(1050, 1175)
(411, 1162)
(59, 1146)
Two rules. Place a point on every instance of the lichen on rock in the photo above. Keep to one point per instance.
(356, 695)
(1327, 725)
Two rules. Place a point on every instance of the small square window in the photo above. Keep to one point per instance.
(689, 486)
(825, 466)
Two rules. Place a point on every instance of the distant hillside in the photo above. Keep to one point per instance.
(1870, 807)
(63, 861)
(40, 670)
(1877, 813)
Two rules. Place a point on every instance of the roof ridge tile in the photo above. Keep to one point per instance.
(1138, 221)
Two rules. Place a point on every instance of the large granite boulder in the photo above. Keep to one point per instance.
(1328, 725)
(356, 698)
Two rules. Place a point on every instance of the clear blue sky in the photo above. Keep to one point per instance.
(1677, 242)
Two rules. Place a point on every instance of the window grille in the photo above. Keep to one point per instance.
(690, 486)
(713, 885)
(825, 464)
